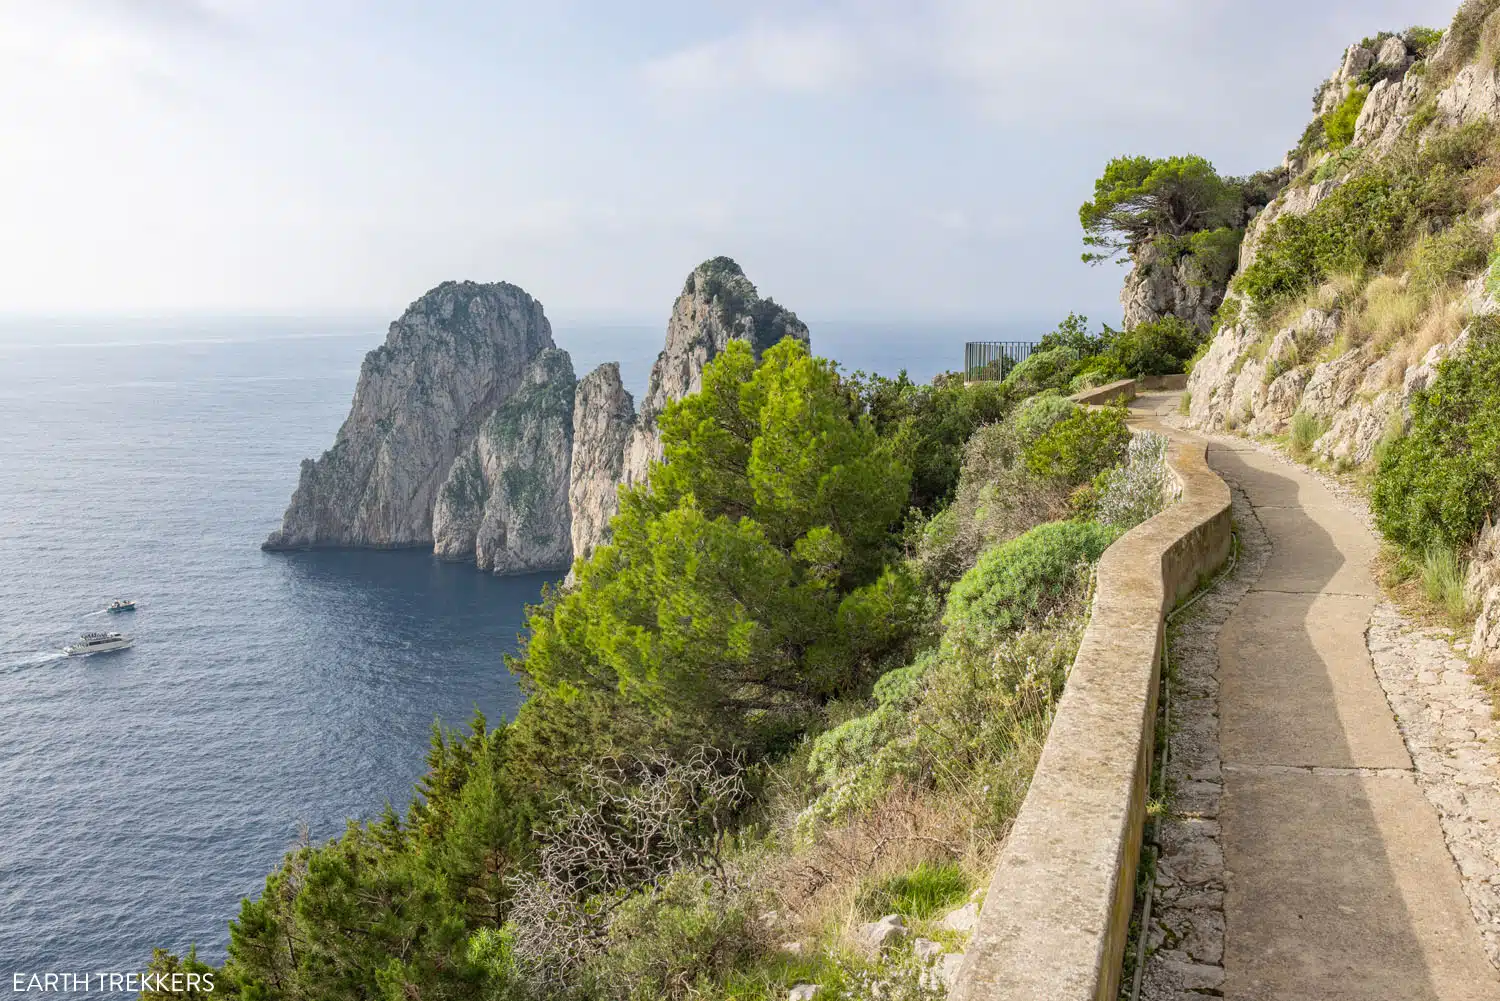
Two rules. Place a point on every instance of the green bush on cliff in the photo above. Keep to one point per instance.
(1436, 485)
(1079, 447)
(1338, 126)
(1371, 218)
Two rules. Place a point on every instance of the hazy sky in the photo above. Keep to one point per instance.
(863, 159)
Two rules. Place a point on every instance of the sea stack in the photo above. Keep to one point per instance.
(454, 358)
(717, 304)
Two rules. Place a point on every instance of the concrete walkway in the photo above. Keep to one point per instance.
(1337, 881)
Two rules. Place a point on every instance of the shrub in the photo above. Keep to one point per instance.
(1306, 429)
(1131, 493)
(1436, 485)
(1213, 255)
(921, 893)
(966, 719)
(1423, 40)
(1079, 447)
(1047, 369)
(1370, 218)
(1161, 347)
(1456, 253)
(1023, 579)
(1340, 123)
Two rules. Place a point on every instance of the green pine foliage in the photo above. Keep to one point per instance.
(762, 609)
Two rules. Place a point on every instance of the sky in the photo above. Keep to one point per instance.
(870, 160)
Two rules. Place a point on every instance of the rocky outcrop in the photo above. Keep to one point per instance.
(469, 433)
(603, 420)
(1158, 286)
(504, 503)
(718, 304)
(455, 355)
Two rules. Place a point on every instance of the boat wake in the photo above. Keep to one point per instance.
(27, 661)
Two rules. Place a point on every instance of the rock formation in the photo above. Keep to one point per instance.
(1157, 287)
(455, 355)
(504, 503)
(469, 433)
(718, 304)
(603, 419)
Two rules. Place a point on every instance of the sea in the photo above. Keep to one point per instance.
(269, 696)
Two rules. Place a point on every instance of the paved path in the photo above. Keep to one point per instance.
(1338, 883)
(1303, 861)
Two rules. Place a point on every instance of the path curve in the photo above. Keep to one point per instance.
(1303, 861)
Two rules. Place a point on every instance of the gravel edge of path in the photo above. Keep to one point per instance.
(1445, 717)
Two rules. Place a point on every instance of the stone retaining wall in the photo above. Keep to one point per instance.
(1058, 909)
(1122, 390)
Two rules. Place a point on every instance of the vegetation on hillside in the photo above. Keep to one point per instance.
(809, 675)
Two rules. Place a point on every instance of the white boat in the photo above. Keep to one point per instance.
(121, 605)
(98, 643)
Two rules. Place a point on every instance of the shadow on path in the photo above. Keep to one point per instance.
(1339, 883)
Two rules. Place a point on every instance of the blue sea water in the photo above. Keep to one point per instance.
(144, 793)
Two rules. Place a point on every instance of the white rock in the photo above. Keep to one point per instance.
(964, 919)
(947, 968)
(926, 950)
(878, 935)
(803, 992)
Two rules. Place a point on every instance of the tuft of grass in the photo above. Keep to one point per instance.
(1185, 404)
(1387, 312)
(1306, 429)
(1443, 576)
(918, 894)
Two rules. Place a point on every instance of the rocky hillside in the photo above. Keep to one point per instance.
(469, 433)
(1374, 263)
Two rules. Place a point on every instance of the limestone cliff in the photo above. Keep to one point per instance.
(469, 433)
(1159, 285)
(504, 503)
(453, 357)
(1342, 362)
(603, 419)
(718, 304)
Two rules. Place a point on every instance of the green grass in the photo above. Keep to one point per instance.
(1185, 404)
(1443, 582)
(1306, 429)
(919, 894)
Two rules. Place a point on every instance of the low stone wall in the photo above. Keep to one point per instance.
(1122, 390)
(1167, 382)
(1058, 909)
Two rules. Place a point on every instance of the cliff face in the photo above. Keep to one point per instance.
(1257, 374)
(469, 433)
(1158, 287)
(455, 355)
(718, 304)
(603, 419)
(1343, 362)
(504, 503)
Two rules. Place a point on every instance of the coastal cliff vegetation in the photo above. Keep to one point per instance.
(800, 689)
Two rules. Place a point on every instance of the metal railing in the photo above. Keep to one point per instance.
(989, 361)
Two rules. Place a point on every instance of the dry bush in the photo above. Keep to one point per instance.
(1387, 312)
(816, 885)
